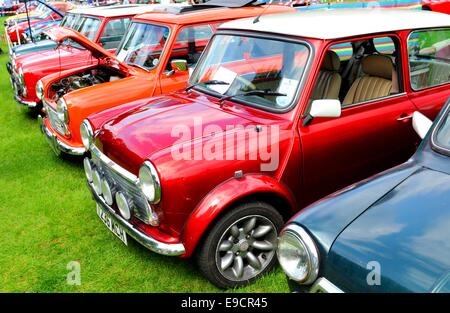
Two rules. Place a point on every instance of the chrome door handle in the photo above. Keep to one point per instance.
(404, 118)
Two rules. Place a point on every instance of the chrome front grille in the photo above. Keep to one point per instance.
(123, 181)
(56, 123)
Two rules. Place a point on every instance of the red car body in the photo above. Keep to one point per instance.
(37, 65)
(314, 159)
(442, 6)
(15, 32)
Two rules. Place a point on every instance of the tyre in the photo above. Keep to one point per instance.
(241, 246)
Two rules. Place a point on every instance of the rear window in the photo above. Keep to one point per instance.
(113, 33)
(343, 50)
(429, 58)
(384, 45)
(89, 27)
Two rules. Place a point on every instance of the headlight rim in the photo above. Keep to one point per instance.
(156, 181)
(65, 112)
(311, 249)
(90, 133)
(40, 90)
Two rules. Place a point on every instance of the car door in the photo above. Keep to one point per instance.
(190, 42)
(367, 138)
(429, 69)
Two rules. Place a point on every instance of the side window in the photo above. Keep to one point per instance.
(343, 50)
(190, 43)
(358, 71)
(429, 58)
(113, 33)
(384, 45)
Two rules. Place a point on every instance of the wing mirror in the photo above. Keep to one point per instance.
(323, 108)
(178, 65)
(421, 124)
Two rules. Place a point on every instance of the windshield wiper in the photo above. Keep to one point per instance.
(256, 92)
(431, 57)
(207, 82)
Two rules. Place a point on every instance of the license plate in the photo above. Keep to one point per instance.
(115, 228)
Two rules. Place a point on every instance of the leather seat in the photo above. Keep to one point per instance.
(375, 83)
(329, 81)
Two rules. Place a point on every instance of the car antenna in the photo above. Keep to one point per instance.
(256, 20)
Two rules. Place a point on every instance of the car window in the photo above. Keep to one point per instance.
(384, 45)
(269, 81)
(343, 50)
(191, 42)
(89, 27)
(429, 58)
(113, 33)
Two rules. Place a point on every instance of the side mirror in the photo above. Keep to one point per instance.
(179, 65)
(421, 124)
(323, 108)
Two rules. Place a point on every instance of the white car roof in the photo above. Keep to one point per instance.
(116, 10)
(340, 23)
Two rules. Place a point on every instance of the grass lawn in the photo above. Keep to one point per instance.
(48, 219)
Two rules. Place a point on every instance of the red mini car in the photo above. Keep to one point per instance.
(274, 119)
(105, 25)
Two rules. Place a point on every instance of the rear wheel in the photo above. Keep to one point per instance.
(241, 246)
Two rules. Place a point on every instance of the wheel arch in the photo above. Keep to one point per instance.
(235, 192)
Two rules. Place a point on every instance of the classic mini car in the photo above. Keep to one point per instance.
(154, 58)
(385, 234)
(272, 120)
(15, 32)
(104, 25)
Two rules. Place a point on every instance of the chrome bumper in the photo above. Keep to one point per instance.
(56, 145)
(30, 104)
(323, 285)
(147, 241)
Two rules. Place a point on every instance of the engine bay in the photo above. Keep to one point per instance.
(83, 79)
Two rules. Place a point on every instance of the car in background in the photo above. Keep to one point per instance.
(388, 233)
(442, 6)
(104, 25)
(272, 121)
(156, 56)
(15, 31)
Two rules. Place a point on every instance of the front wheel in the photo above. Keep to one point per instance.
(241, 246)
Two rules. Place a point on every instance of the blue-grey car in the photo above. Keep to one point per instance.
(390, 233)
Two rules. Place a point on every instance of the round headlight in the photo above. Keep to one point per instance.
(97, 182)
(123, 206)
(86, 133)
(298, 255)
(40, 90)
(88, 169)
(61, 110)
(107, 192)
(20, 73)
(149, 182)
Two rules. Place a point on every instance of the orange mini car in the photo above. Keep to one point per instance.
(155, 57)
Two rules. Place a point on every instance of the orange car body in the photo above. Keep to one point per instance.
(136, 83)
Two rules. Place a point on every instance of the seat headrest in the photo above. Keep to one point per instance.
(331, 61)
(378, 65)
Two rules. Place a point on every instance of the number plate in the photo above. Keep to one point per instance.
(115, 228)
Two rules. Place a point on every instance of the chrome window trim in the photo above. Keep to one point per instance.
(323, 285)
(373, 100)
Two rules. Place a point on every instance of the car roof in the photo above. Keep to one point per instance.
(209, 14)
(113, 11)
(341, 23)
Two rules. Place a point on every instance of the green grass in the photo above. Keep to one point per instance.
(47, 219)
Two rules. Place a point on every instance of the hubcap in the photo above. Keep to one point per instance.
(246, 248)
